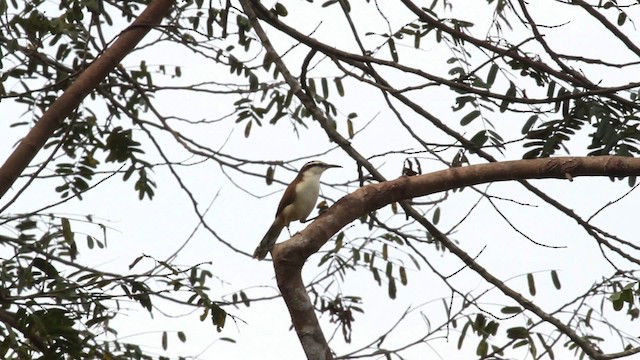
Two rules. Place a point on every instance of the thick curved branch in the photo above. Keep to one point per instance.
(289, 256)
(88, 80)
(376, 196)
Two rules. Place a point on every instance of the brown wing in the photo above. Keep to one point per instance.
(288, 197)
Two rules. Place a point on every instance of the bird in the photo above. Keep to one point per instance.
(296, 204)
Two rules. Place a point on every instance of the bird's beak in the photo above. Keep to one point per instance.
(332, 166)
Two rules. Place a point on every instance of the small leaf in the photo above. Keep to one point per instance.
(555, 279)
(617, 304)
(392, 288)
(531, 283)
(376, 275)
(66, 230)
(247, 129)
(622, 17)
(392, 49)
(510, 93)
(403, 275)
(281, 10)
(492, 74)
(204, 314)
(45, 267)
(463, 333)
(483, 348)
(389, 271)
(339, 86)
(480, 138)
(164, 340)
(469, 117)
(245, 299)
(528, 124)
(436, 216)
(517, 333)
(218, 317)
(269, 178)
(325, 88)
(350, 128)
(182, 336)
(511, 310)
(135, 262)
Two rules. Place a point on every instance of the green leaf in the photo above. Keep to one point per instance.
(281, 10)
(204, 314)
(463, 333)
(483, 348)
(491, 78)
(518, 332)
(469, 117)
(339, 86)
(376, 275)
(436, 216)
(555, 279)
(403, 276)
(528, 124)
(247, 129)
(622, 17)
(504, 105)
(218, 317)
(182, 336)
(511, 310)
(587, 319)
(392, 49)
(325, 87)
(392, 288)
(164, 340)
(66, 230)
(269, 177)
(531, 283)
(45, 267)
(245, 299)
(479, 139)
(350, 128)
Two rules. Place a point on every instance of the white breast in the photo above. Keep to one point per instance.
(306, 196)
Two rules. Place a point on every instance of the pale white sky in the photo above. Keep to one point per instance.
(159, 227)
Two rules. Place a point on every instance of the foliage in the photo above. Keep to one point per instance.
(493, 69)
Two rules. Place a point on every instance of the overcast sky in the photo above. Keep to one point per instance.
(159, 227)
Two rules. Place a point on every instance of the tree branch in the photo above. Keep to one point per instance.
(53, 118)
(289, 256)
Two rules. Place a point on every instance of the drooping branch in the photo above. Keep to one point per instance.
(76, 92)
(290, 256)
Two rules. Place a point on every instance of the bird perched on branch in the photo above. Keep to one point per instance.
(296, 204)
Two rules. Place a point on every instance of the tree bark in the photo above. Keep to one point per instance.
(88, 80)
(289, 256)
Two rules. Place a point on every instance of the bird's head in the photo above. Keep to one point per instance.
(316, 167)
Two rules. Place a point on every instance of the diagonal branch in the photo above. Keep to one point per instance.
(53, 118)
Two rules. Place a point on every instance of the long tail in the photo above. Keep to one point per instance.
(269, 239)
